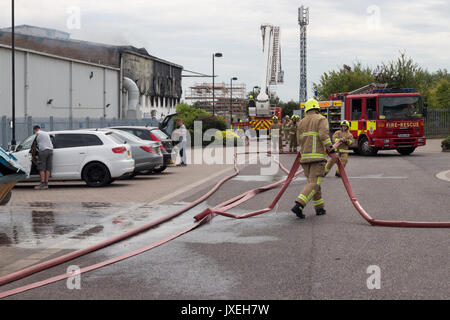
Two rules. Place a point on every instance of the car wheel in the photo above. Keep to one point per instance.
(96, 174)
(365, 149)
(6, 199)
(406, 151)
(160, 169)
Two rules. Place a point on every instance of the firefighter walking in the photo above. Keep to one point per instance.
(314, 141)
(286, 129)
(276, 126)
(346, 138)
(293, 134)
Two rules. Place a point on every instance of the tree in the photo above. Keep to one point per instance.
(439, 96)
(343, 80)
(189, 113)
(287, 108)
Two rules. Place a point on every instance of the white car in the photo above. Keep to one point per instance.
(93, 156)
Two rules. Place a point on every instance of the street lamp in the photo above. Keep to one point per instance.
(13, 78)
(215, 55)
(231, 99)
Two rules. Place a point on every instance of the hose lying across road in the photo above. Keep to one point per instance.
(201, 219)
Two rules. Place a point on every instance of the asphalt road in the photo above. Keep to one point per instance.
(272, 256)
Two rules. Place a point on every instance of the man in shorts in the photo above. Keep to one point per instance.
(44, 145)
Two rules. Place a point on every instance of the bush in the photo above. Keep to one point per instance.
(445, 144)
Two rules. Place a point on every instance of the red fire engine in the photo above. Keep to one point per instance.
(380, 118)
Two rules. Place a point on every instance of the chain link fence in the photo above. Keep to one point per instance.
(24, 126)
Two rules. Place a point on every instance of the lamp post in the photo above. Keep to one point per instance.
(215, 55)
(231, 98)
(13, 78)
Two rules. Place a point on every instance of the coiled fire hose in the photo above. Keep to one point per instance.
(201, 219)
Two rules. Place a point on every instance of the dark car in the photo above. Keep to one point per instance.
(153, 134)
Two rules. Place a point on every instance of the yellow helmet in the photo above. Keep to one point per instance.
(274, 118)
(311, 104)
(287, 116)
(251, 97)
(345, 123)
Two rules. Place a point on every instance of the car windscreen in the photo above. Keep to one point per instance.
(26, 144)
(159, 134)
(400, 107)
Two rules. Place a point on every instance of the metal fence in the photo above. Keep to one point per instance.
(437, 123)
(24, 126)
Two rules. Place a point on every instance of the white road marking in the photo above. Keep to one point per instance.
(444, 175)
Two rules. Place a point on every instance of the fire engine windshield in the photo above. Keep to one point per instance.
(400, 107)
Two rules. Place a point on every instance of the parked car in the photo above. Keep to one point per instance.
(92, 156)
(153, 134)
(147, 154)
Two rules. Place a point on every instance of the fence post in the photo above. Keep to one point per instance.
(4, 130)
(52, 125)
(87, 122)
(29, 125)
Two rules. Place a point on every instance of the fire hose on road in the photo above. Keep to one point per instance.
(201, 219)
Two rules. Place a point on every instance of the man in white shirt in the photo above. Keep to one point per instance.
(45, 156)
(182, 138)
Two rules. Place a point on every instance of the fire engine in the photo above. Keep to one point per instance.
(260, 111)
(380, 118)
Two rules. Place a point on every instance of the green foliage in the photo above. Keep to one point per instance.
(287, 108)
(189, 113)
(343, 80)
(402, 72)
(439, 95)
(446, 144)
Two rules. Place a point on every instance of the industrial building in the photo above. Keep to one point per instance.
(66, 78)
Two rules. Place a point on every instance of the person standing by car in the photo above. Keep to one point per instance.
(43, 144)
(182, 131)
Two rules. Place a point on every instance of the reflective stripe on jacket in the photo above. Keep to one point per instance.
(314, 138)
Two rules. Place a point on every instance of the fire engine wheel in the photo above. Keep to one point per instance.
(406, 151)
(365, 149)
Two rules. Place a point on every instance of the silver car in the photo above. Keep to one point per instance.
(146, 154)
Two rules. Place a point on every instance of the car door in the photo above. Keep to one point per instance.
(22, 153)
(68, 156)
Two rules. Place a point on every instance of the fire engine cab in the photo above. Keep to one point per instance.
(380, 118)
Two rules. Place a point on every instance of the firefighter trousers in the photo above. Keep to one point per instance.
(344, 159)
(314, 173)
(292, 142)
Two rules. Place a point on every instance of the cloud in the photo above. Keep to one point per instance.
(188, 32)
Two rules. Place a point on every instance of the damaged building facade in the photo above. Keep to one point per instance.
(66, 78)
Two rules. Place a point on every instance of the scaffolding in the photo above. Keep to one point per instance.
(202, 97)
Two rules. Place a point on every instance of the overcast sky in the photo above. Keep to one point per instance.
(188, 32)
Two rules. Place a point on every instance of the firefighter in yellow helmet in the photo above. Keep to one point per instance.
(314, 141)
(286, 124)
(276, 129)
(347, 140)
(293, 134)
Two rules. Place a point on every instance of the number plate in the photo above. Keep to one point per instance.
(403, 135)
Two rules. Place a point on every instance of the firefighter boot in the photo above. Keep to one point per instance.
(298, 210)
(321, 212)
